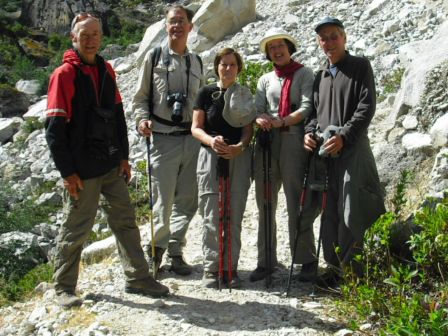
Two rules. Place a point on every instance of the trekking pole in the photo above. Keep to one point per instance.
(267, 203)
(221, 228)
(223, 176)
(299, 218)
(322, 218)
(229, 234)
(153, 243)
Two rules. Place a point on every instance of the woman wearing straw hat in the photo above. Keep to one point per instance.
(222, 120)
(283, 100)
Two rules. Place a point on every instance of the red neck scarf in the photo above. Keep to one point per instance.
(286, 71)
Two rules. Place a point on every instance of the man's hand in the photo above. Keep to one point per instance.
(334, 145)
(125, 170)
(144, 128)
(73, 184)
(309, 143)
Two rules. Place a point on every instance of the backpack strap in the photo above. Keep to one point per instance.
(154, 60)
(166, 60)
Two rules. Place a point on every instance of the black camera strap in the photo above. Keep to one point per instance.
(167, 61)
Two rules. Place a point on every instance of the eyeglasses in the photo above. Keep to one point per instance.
(225, 66)
(332, 37)
(180, 22)
(81, 17)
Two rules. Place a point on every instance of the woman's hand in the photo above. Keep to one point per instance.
(219, 145)
(233, 151)
(264, 121)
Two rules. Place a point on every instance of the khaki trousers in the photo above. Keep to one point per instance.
(78, 225)
(288, 160)
(208, 182)
(175, 191)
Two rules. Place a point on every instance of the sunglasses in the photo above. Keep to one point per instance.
(83, 16)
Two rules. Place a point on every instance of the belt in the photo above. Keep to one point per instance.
(284, 129)
(175, 133)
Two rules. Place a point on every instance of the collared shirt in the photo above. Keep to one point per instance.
(173, 78)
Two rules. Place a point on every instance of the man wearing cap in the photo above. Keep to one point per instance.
(283, 100)
(344, 96)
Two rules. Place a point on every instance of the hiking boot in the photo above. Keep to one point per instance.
(68, 300)
(330, 279)
(235, 282)
(147, 286)
(260, 273)
(210, 279)
(179, 266)
(308, 272)
(157, 260)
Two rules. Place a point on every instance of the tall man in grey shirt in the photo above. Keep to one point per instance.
(177, 77)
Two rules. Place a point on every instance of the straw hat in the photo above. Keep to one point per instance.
(273, 34)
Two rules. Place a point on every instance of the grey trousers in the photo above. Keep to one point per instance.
(339, 244)
(78, 224)
(239, 173)
(287, 168)
(175, 191)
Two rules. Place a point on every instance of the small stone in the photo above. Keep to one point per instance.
(344, 332)
(365, 327)
(312, 305)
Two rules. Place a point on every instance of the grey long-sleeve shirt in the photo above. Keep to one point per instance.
(269, 89)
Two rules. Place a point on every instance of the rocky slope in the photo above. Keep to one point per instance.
(409, 131)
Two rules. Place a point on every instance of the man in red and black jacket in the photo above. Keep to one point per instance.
(87, 135)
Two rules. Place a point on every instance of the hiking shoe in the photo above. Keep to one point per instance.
(147, 286)
(68, 300)
(259, 274)
(210, 279)
(157, 259)
(235, 282)
(308, 272)
(179, 266)
(329, 279)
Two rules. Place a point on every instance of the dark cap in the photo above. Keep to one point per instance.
(328, 21)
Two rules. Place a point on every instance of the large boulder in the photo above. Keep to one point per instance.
(218, 18)
(154, 36)
(56, 16)
(8, 126)
(419, 58)
(6, 129)
(19, 253)
(12, 102)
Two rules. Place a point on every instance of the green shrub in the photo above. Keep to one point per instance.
(403, 298)
(139, 193)
(124, 33)
(10, 5)
(32, 124)
(391, 83)
(20, 217)
(430, 246)
(252, 72)
(19, 289)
